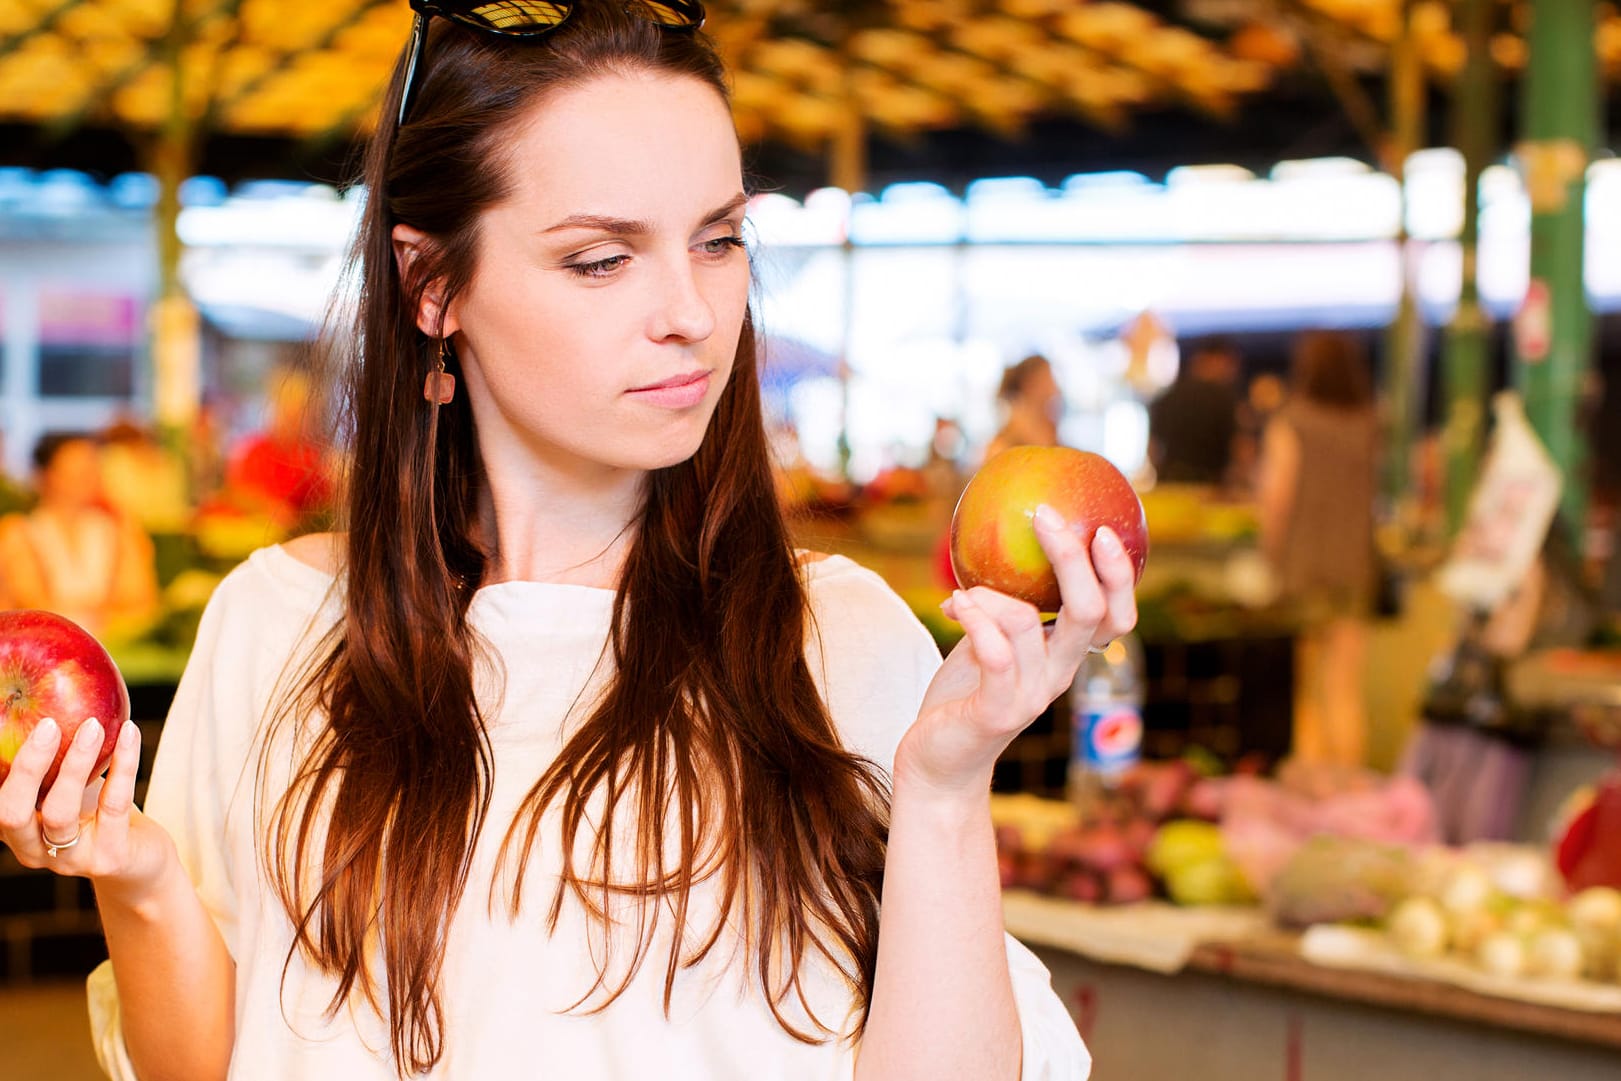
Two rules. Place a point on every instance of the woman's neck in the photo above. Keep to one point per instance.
(68, 514)
(1030, 425)
(563, 529)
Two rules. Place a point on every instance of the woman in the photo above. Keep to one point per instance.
(1315, 494)
(1033, 405)
(73, 554)
(571, 769)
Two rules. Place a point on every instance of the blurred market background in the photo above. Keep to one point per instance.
(943, 188)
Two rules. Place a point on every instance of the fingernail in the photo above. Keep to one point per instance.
(1047, 518)
(88, 733)
(44, 732)
(1110, 542)
(128, 734)
(964, 599)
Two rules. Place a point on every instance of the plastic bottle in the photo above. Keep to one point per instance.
(1106, 721)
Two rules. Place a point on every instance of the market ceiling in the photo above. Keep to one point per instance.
(311, 72)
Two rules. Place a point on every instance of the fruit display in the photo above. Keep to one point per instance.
(1267, 821)
(1153, 835)
(1480, 909)
(1330, 878)
(52, 667)
(993, 540)
(1190, 858)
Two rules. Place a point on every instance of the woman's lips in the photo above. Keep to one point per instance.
(679, 392)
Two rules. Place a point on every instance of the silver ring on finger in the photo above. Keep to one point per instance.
(53, 847)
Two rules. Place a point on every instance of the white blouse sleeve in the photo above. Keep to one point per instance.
(201, 758)
(876, 662)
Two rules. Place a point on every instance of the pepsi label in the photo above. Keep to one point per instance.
(1109, 736)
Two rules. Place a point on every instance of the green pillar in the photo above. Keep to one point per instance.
(1465, 357)
(175, 346)
(1561, 129)
(1404, 339)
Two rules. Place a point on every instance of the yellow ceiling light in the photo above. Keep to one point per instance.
(1108, 27)
(889, 47)
(276, 67)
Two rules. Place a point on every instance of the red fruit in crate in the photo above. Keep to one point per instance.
(1082, 886)
(1128, 885)
(1589, 852)
(993, 536)
(52, 667)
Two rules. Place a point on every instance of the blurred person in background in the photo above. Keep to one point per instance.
(143, 479)
(942, 469)
(285, 470)
(74, 553)
(1194, 424)
(1032, 405)
(1315, 501)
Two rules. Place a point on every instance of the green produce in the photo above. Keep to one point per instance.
(1330, 879)
(1209, 882)
(1182, 842)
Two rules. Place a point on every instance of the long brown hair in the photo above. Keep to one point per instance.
(1330, 368)
(710, 731)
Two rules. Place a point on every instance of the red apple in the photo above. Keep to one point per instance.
(993, 538)
(52, 667)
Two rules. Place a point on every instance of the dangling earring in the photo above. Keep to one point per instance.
(440, 386)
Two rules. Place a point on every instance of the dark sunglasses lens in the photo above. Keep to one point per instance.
(683, 16)
(519, 16)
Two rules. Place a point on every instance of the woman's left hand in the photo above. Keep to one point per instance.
(1010, 666)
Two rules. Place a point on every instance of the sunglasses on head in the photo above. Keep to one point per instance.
(529, 19)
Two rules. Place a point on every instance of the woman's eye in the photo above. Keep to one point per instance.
(599, 268)
(722, 244)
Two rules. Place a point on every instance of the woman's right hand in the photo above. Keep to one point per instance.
(97, 831)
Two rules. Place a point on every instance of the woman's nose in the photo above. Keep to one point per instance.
(683, 311)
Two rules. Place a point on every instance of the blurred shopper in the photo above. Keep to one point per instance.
(74, 554)
(562, 744)
(1316, 504)
(285, 470)
(1032, 406)
(942, 469)
(1193, 426)
(143, 479)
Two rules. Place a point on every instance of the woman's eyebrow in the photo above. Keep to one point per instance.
(607, 223)
(733, 205)
(602, 223)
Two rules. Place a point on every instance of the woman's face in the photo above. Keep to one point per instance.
(610, 287)
(73, 477)
(1042, 395)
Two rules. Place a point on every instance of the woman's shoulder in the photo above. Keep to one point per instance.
(291, 580)
(322, 552)
(856, 610)
(869, 653)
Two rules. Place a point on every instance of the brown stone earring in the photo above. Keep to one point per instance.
(440, 386)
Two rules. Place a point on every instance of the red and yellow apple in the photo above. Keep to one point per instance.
(52, 667)
(993, 536)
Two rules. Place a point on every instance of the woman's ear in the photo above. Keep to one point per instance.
(431, 318)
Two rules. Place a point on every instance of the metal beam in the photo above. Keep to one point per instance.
(44, 26)
(181, 31)
(218, 107)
